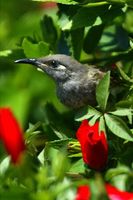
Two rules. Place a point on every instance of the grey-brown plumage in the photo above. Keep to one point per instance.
(76, 83)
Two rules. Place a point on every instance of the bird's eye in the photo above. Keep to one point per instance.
(57, 65)
(54, 63)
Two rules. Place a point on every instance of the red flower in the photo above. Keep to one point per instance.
(115, 194)
(93, 145)
(11, 134)
(83, 193)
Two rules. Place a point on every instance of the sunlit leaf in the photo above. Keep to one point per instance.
(122, 112)
(118, 127)
(124, 75)
(5, 53)
(102, 91)
(116, 171)
(35, 50)
(77, 167)
(93, 120)
(84, 17)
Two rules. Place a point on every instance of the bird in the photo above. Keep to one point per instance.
(75, 82)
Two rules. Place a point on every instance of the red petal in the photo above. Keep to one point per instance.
(115, 194)
(82, 132)
(83, 193)
(93, 145)
(96, 154)
(11, 134)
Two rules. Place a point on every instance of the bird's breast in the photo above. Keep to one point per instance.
(76, 94)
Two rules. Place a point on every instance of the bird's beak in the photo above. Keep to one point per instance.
(32, 61)
(27, 61)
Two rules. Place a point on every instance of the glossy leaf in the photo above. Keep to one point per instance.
(92, 38)
(102, 91)
(118, 127)
(77, 167)
(122, 112)
(86, 17)
(77, 42)
(49, 31)
(93, 120)
(124, 75)
(35, 50)
(83, 17)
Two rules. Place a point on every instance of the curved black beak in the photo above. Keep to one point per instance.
(37, 63)
(28, 61)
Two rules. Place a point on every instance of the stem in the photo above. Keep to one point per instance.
(96, 4)
(117, 1)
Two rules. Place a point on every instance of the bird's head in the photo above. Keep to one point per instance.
(59, 66)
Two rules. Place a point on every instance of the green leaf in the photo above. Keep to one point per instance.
(96, 4)
(35, 50)
(86, 113)
(77, 167)
(102, 91)
(5, 53)
(94, 119)
(84, 17)
(112, 173)
(122, 112)
(67, 2)
(49, 31)
(14, 192)
(32, 130)
(117, 1)
(58, 144)
(128, 102)
(19, 102)
(77, 42)
(59, 134)
(118, 127)
(129, 3)
(55, 121)
(92, 38)
(102, 124)
(60, 163)
(110, 35)
(124, 75)
(4, 164)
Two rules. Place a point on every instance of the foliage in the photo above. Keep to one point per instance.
(96, 32)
